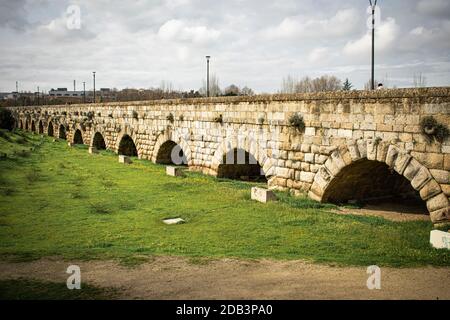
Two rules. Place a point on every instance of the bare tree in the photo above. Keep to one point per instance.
(214, 88)
(166, 86)
(246, 91)
(323, 83)
(419, 80)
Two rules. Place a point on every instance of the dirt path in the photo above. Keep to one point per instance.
(177, 278)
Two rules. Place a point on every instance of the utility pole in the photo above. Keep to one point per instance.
(372, 81)
(207, 75)
(84, 92)
(94, 84)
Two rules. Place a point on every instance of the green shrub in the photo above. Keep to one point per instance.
(433, 130)
(297, 122)
(6, 119)
(170, 118)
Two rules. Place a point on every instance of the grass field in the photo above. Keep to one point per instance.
(62, 201)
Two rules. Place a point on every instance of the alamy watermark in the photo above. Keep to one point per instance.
(374, 280)
(73, 17)
(74, 280)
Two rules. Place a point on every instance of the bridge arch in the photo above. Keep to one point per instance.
(127, 146)
(33, 126)
(77, 137)
(62, 133)
(98, 141)
(169, 142)
(50, 129)
(252, 150)
(40, 127)
(127, 141)
(26, 125)
(21, 124)
(367, 169)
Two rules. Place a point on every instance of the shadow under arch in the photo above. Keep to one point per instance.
(366, 170)
(127, 146)
(33, 126)
(62, 134)
(78, 137)
(50, 129)
(40, 127)
(98, 141)
(239, 164)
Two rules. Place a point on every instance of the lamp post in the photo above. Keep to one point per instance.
(93, 73)
(372, 81)
(207, 75)
(38, 95)
(84, 92)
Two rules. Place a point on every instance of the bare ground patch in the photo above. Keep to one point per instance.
(179, 278)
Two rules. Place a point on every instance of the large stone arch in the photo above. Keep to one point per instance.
(33, 126)
(40, 126)
(50, 127)
(178, 139)
(94, 130)
(127, 131)
(395, 158)
(249, 145)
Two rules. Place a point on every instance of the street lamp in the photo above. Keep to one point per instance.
(373, 5)
(93, 73)
(84, 92)
(207, 75)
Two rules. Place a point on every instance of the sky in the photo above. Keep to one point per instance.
(255, 43)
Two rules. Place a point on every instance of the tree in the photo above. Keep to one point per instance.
(6, 119)
(246, 91)
(323, 83)
(419, 80)
(214, 88)
(232, 90)
(347, 85)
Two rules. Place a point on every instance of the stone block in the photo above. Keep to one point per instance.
(440, 216)
(124, 159)
(170, 221)
(437, 203)
(92, 150)
(440, 239)
(429, 190)
(262, 195)
(421, 178)
(174, 171)
(441, 176)
(307, 176)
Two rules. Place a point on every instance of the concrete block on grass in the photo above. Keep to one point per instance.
(263, 195)
(440, 239)
(124, 159)
(174, 171)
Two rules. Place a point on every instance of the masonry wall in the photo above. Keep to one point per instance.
(341, 128)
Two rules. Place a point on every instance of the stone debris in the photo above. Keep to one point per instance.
(174, 221)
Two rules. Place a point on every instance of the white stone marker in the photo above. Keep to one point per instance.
(92, 150)
(440, 239)
(174, 171)
(174, 221)
(263, 195)
(124, 159)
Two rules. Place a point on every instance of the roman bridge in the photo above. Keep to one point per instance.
(333, 147)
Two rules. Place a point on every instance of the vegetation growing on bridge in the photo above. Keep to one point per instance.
(61, 201)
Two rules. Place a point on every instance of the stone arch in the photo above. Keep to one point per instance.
(252, 147)
(62, 132)
(98, 141)
(127, 146)
(50, 129)
(380, 153)
(165, 143)
(78, 137)
(21, 124)
(40, 127)
(127, 131)
(33, 126)
(26, 124)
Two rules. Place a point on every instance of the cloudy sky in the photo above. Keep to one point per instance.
(255, 43)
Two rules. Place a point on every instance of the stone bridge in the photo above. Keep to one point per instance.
(336, 147)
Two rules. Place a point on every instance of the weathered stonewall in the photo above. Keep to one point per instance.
(124, 159)
(174, 171)
(263, 195)
(440, 239)
(356, 145)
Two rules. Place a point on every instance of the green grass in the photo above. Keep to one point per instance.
(61, 201)
(25, 289)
